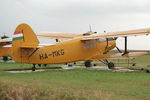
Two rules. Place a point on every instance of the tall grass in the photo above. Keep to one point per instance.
(72, 84)
(24, 92)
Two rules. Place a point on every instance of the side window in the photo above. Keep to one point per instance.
(102, 40)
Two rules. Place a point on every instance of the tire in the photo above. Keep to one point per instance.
(33, 68)
(94, 65)
(5, 58)
(147, 71)
(111, 65)
(88, 63)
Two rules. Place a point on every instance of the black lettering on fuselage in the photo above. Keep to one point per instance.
(43, 56)
(58, 53)
(62, 52)
(53, 54)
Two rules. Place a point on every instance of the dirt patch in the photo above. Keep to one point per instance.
(26, 71)
(117, 69)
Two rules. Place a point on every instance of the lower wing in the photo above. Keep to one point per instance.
(129, 55)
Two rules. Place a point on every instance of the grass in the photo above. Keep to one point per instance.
(73, 84)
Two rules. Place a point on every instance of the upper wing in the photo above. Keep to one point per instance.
(54, 35)
(145, 31)
(86, 36)
(5, 41)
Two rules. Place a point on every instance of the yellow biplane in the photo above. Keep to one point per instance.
(5, 47)
(78, 47)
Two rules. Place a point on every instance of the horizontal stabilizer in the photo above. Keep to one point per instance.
(34, 46)
(29, 46)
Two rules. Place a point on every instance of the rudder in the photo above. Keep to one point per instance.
(23, 36)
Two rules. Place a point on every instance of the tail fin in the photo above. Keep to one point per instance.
(23, 36)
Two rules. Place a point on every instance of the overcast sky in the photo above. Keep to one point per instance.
(75, 16)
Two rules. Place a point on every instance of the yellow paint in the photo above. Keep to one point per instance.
(62, 52)
(5, 51)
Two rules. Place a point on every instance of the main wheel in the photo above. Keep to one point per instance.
(147, 71)
(111, 65)
(33, 68)
(5, 58)
(88, 63)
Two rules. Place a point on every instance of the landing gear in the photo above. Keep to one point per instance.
(39, 65)
(45, 65)
(87, 63)
(33, 68)
(111, 65)
(147, 71)
(5, 58)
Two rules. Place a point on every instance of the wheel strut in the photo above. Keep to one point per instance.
(110, 65)
(33, 68)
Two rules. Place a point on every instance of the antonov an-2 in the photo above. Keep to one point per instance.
(78, 47)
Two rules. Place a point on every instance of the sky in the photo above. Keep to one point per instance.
(74, 16)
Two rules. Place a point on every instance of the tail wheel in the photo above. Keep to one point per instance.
(111, 65)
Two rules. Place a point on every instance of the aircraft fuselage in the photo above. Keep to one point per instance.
(67, 51)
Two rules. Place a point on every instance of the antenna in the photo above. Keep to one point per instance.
(4, 33)
(90, 28)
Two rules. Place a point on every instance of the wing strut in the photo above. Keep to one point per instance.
(125, 48)
(107, 42)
